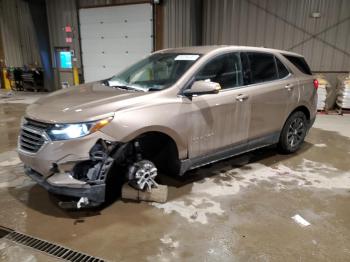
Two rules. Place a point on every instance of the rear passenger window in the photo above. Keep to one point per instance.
(299, 63)
(262, 67)
(225, 70)
(281, 68)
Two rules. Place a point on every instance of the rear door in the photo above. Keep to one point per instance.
(219, 120)
(271, 89)
(308, 93)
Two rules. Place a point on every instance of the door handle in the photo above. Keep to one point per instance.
(241, 97)
(289, 86)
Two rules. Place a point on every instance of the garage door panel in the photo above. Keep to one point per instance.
(101, 60)
(117, 14)
(115, 46)
(115, 30)
(100, 72)
(113, 38)
(95, 74)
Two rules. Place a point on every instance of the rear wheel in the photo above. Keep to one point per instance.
(293, 133)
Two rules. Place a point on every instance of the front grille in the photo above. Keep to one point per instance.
(32, 135)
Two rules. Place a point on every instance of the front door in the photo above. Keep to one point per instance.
(219, 120)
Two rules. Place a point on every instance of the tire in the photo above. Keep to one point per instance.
(293, 133)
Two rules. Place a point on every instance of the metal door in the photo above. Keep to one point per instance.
(114, 37)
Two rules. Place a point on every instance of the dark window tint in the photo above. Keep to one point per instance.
(300, 63)
(281, 68)
(246, 72)
(225, 70)
(262, 67)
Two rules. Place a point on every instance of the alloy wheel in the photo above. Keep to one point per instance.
(296, 132)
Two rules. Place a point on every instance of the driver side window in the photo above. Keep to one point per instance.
(225, 69)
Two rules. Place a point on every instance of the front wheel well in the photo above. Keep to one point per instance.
(161, 149)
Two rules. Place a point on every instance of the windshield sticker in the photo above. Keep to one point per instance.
(187, 57)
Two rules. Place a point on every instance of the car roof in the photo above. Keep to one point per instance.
(207, 49)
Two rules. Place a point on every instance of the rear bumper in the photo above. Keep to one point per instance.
(95, 193)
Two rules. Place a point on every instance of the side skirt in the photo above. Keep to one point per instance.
(227, 152)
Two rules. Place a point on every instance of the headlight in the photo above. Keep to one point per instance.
(70, 131)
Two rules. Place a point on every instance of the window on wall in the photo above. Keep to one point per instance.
(262, 67)
(65, 59)
(224, 69)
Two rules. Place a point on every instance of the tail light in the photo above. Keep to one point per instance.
(315, 84)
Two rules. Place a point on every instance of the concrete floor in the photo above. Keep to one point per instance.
(236, 210)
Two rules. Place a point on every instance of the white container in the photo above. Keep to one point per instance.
(343, 95)
(322, 95)
(322, 92)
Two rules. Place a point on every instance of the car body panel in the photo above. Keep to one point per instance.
(87, 102)
(217, 121)
(270, 103)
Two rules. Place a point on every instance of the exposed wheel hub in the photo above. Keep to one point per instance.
(142, 175)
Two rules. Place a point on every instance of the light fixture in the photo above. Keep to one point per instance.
(315, 15)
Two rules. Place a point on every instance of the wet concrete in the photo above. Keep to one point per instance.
(236, 210)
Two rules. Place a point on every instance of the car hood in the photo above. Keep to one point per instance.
(85, 102)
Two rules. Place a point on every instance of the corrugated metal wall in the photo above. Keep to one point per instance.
(280, 24)
(18, 34)
(287, 24)
(182, 23)
(61, 13)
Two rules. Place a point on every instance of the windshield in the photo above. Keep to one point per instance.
(155, 72)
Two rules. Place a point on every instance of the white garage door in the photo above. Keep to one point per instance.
(114, 37)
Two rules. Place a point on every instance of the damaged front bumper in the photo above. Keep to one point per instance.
(73, 188)
(76, 168)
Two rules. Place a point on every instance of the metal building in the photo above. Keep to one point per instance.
(318, 29)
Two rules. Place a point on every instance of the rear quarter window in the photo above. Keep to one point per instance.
(300, 63)
(281, 68)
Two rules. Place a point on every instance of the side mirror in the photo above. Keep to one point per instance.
(202, 88)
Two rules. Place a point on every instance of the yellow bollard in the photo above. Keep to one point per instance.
(75, 76)
(7, 84)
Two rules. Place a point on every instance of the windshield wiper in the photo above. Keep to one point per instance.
(123, 85)
(132, 88)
